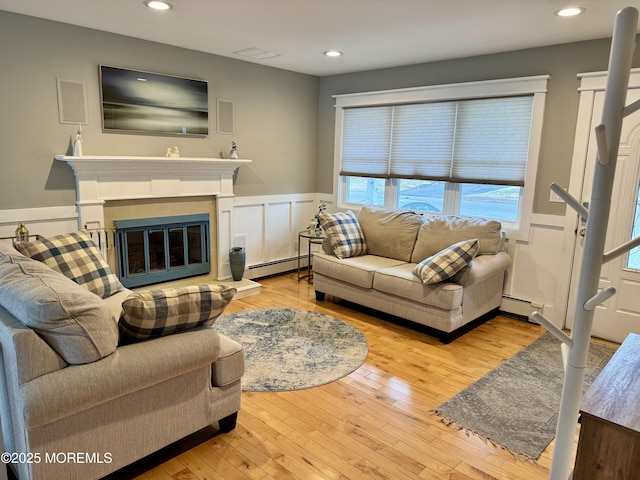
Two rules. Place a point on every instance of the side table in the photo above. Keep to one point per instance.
(312, 239)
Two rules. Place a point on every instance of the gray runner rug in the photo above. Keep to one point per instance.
(515, 406)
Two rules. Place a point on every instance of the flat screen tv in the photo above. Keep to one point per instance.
(151, 103)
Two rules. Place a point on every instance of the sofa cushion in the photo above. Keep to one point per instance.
(390, 233)
(154, 313)
(440, 231)
(357, 270)
(73, 321)
(77, 257)
(400, 281)
(446, 263)
(344, 233)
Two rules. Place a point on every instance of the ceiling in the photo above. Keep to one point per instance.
(372, 34)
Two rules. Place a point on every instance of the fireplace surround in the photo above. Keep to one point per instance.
(103, 178)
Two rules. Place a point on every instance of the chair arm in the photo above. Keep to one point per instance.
(130, 368)
(481, 267)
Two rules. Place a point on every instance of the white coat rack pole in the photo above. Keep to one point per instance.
(594, 241)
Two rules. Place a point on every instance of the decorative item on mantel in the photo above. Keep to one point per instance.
(314, 225)
(175, 153)
(77, 142)
(237, 258)
(22, 233)
(233, 154)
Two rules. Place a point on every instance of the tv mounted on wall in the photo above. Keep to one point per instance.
(151, 103)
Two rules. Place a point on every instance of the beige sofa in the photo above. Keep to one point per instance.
(75, 406)
(396, 242)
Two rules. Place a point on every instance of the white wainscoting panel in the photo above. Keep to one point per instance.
(278, 225)
(271, 224)
(47, 221)
(249, 219)
(539, 272)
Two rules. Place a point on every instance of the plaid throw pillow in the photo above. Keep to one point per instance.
(154, 313)
(77, 257)
(446, 263)
(344, 233)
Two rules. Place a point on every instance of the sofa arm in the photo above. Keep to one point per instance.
(130, 368)
(482, 267)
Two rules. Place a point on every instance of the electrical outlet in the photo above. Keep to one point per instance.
(240, 240)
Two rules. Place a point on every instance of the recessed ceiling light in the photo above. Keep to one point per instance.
(569, 11)
(333, 53)
(158, 5)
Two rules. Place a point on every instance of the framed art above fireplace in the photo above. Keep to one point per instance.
(140, 102)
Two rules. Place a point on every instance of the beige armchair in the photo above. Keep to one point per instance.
(86, 419)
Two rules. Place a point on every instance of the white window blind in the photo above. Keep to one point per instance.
(492, 140)
(466, 141)
(366, 141)
(423, 137)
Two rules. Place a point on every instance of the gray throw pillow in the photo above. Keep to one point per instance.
(344, 233)
(154, 313)
(446, 263)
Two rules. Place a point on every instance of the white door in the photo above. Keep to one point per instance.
(620, 315)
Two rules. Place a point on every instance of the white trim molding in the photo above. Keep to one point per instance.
(504, 87)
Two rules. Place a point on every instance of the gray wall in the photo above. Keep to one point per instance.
(284, 120)
(276, 111)
(562, 62)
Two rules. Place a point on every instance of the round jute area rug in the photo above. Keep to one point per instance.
(287, 349)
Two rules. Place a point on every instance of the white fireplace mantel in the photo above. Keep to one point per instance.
(100, 178)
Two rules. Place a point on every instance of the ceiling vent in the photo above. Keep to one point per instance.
(256, 53)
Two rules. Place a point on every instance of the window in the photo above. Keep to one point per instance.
(468, 149)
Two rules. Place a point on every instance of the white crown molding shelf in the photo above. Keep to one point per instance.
(102, 178)
(112, 164)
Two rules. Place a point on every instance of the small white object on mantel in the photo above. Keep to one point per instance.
(233, 154)
(77, 143)
(175, 153)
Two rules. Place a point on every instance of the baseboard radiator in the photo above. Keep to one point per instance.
(520, 307)
(274, 268)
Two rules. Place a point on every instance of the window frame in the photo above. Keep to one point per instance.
(533, 85)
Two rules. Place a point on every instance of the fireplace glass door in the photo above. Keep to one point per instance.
(153, 250)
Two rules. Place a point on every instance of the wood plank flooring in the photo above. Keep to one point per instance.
(373, 424)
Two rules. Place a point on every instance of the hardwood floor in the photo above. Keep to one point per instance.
(375, 423)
